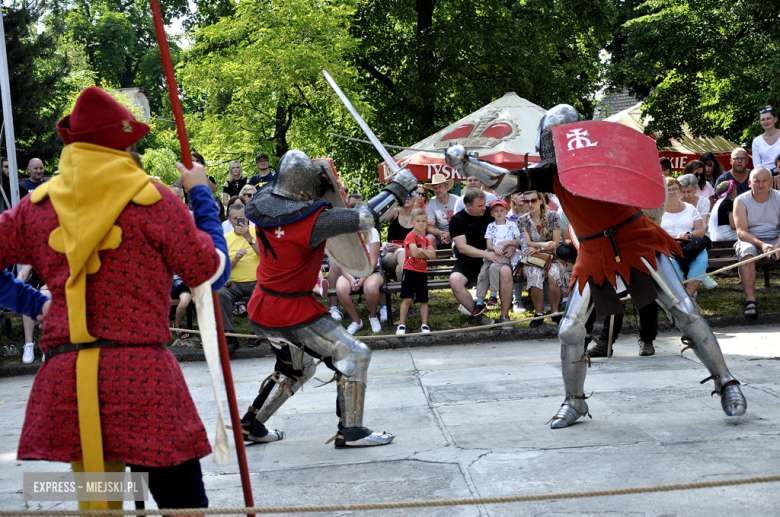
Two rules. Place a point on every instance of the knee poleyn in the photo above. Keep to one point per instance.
(571, 332)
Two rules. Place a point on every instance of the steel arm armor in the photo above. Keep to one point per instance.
(502, 181)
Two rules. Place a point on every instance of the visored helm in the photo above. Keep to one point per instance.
(298, 178)
(555, 116)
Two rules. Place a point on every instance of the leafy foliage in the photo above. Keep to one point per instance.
(426, 63)
(254, 81)
(36, 75)
(707, 63)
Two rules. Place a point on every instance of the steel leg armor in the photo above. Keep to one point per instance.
(276, 390)
(574, 361)
(697, 335)
(339, 349)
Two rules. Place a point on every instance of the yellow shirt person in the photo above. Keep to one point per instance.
(244, 269)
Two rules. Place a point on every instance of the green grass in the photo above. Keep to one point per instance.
(726, 299)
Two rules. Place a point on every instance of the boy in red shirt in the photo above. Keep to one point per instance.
(415, 279)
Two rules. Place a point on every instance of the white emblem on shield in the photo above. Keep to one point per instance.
(577, 139)
(279, 232)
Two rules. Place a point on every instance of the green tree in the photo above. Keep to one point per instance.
(118, 40)
(37, 94)
(707, 63)
(253, 81)
(426, 63)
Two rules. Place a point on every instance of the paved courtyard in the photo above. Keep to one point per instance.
(470, 422)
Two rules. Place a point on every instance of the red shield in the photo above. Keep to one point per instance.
(610, 162)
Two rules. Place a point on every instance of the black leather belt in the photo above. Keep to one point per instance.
(74, 347)
(610, 232)
(287, 295)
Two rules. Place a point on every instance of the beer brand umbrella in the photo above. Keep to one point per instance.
(502, 132)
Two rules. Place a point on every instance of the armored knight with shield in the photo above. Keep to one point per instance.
(604, 174)
(296, 216)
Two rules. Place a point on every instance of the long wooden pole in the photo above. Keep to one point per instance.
(186, 158)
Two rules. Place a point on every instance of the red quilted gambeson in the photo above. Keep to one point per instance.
(147, 414)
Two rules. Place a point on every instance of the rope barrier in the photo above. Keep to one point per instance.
(494, 325)
(517, 498)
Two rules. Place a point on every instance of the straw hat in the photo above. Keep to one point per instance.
(438, 179)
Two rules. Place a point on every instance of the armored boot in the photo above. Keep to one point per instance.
(574, 361)
(274, 392)
(349, 406)
(697, 335)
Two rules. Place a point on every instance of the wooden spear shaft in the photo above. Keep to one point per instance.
(186, 158)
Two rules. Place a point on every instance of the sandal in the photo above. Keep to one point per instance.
(751, 309)
(182, 335)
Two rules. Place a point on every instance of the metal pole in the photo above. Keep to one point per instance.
(8, 119)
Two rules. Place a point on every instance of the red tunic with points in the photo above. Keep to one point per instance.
(596, 258)
(295, 269)
(146, 411)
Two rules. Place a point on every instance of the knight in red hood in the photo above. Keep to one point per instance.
(603, 184)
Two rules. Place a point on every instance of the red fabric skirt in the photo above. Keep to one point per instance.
(146, 412)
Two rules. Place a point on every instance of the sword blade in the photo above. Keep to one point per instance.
(388, 146)
(362, 123)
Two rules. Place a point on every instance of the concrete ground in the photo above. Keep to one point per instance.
(470, 422)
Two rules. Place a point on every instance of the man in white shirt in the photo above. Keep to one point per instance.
(440, 210)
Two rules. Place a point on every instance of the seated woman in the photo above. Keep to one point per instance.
(690, 184)
(347, 285)
(721, 224)
(679, 220)
(541, 230)
(400, 226)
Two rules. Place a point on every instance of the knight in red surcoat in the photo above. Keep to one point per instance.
(293, 225)
(621, 249)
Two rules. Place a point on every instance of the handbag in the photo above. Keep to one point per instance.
(538, 259)
(692, 246)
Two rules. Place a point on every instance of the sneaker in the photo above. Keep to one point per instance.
(478, 309)
(517, 308)
(376, 327)
(708, 282)
(383, 313)
(425, 329)
(401, 330)
(505, 319)
(29, 353)
(484, 320)
(335, 313)
(536, 323)
(646, 349)
(355, 326)
(462, 310)
(492, 301)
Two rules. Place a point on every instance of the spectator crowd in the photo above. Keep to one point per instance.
(499, 245)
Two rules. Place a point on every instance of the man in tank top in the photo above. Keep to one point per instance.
(757, 218)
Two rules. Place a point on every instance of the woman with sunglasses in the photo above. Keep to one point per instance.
(766, 146)
(712, 168)
(400, 226)
(247, 193)
(703, 187)
(541, 230)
